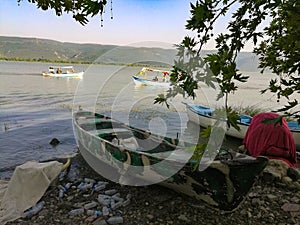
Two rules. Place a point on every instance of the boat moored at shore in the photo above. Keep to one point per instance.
(204, 117)
(115, 149)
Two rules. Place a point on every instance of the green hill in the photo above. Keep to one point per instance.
(43, 49)
(35, 49)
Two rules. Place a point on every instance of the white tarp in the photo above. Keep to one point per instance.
(26, 187)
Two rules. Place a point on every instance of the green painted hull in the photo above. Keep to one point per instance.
(224, 184)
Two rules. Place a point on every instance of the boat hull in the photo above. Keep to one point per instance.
(64, 75)
(144, 82)
(223, 184)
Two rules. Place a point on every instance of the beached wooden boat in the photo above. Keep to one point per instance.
(223, 184)
(63, 71)
(151, 77)
(204, 117)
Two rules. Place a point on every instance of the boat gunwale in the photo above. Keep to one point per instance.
(211, 117)
(129, 128)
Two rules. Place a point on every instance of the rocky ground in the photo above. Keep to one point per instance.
(274, 200)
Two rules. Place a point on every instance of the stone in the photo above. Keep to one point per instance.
(287, 180)
(275, 170)
(252, 194)
(150, 217)
(54, 142)
(293, 173)
(256, 202)
(271, 197)
(297, 185)
(183, 218)
(295, 199)
(290, 207)
(91, 218)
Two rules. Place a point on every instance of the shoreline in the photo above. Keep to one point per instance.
(270, 201)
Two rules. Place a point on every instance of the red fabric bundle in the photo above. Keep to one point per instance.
(275, 142)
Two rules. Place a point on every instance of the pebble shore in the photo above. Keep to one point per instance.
(272, 200)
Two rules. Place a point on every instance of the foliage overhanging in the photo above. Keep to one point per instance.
(277, 44)
(80, 9)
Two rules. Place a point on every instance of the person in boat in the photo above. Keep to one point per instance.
(268, 139)
(58, 71)
(155, 78)
(51, 69)
(164, 77)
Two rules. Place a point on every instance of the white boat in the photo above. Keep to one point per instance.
(63, 71)
(155, 77)
(203, 116)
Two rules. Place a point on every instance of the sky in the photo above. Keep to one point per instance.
(134, 22)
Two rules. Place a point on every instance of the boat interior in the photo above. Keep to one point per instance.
(120, 134)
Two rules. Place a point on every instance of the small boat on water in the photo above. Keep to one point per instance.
(105, 142)
(157, 77)
(204, 117)
(63, 71)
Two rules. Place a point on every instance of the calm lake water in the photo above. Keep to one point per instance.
(34, 109)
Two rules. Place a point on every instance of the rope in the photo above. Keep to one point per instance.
(67, 164)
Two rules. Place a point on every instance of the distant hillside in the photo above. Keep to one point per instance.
(50, 50)
(34, 48)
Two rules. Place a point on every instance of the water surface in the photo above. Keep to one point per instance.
(34, 109)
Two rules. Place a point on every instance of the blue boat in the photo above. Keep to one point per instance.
(204, 117)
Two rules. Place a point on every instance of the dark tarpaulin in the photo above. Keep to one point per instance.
(275, 142)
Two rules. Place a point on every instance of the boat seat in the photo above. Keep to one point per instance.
(245, 119)
(129, 143)
(206, 112)
(109, 131)
(93, 120)
(203, 110)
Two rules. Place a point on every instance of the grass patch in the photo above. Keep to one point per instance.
(248, 110)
